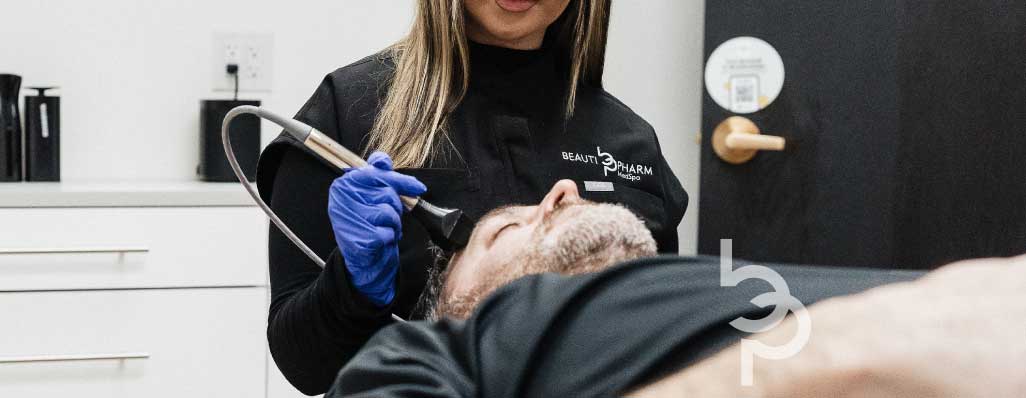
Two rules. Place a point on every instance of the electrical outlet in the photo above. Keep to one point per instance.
(253, 52)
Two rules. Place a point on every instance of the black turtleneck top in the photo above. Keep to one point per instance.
(510, 143)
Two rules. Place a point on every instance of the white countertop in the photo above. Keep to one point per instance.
(123, 194)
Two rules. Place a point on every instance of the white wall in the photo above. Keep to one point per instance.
(133, 72)
(654, 65)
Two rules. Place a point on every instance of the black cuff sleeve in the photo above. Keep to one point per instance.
(316, 330)
(317, 320)
(335, 285)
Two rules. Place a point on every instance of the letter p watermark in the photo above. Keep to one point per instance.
(783, 303)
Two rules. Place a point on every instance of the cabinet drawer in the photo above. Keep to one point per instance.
(101, 248)
(136, 343)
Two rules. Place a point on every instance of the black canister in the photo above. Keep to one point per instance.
(42, 136)
(245, 131)
(10, 129)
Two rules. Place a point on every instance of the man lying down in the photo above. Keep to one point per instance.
(565, 299)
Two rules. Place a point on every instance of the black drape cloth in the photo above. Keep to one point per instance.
(596, 335)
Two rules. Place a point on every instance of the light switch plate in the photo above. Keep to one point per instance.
(253, 52)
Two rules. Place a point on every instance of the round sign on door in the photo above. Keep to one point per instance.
(744, 75)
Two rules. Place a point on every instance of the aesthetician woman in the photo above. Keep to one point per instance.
(485, 103)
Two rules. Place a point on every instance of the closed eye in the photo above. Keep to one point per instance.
(499, 232)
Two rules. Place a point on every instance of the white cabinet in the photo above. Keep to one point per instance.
(122, 291)
(176, 343)
(135, 247)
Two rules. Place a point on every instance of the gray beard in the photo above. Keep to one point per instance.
(593, 237)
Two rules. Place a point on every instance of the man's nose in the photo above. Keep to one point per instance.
(564, 190)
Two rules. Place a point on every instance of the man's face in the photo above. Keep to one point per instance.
(563, 234)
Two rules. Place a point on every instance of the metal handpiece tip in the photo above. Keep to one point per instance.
(449, 228)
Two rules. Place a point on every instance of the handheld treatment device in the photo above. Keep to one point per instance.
(449, 228)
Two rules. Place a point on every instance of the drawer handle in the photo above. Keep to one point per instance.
(72, 358)
(84, 250)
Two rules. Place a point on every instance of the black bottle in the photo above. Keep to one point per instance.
(10, 129)
(42, 136)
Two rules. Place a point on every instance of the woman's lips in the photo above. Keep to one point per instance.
(516, 5)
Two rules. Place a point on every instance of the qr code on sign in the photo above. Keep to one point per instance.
(744, 94)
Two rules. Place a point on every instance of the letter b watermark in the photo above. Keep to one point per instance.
(783, 303)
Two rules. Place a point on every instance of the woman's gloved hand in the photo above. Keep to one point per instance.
(365, 210)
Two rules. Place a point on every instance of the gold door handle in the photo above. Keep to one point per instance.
(738, 139)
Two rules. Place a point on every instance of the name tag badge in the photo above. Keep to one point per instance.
(598, 186)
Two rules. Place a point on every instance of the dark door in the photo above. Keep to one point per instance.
(905, 124)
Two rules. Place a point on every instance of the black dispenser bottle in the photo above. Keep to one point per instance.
(10, 129)
(42, 136)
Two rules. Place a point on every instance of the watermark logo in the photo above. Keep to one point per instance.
(780, 298)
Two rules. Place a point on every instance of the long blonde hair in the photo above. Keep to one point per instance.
(432, 73)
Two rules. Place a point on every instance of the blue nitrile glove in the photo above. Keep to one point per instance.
(364, 209)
